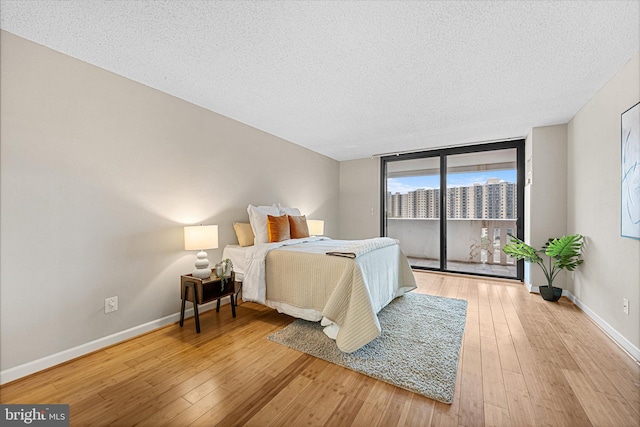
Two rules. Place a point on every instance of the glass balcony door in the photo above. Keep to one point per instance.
(481, 211)
(413, 209)
(481, 205)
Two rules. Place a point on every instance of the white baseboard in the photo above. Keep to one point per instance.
(608, 329)
(29, 368)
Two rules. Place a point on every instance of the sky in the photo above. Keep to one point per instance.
(411, 183)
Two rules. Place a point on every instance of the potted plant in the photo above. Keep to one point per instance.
(224, 270)
(564, 254)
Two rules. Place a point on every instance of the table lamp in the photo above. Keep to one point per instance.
(199, 238)
(316, 227)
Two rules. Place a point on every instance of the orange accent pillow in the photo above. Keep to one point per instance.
(298, 227)
(278, 228)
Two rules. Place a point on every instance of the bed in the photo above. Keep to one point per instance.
(343, 284)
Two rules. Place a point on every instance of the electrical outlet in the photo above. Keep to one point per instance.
(625, 306)
(111, 304)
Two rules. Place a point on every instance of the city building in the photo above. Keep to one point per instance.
(493, 200)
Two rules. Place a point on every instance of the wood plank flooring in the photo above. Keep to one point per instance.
(523, 362)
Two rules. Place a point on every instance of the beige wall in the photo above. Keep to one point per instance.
(546, 194)
(98, 176)
(360, 199)
(612, 263)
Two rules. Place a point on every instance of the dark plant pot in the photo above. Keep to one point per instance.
(550, 293)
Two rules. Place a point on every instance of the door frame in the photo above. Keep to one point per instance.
(518, 144)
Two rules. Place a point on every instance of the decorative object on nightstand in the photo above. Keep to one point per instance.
(223, 271)
(316, 227)
(201, 291)
(199, 238)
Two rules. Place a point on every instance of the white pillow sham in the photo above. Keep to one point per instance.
(288, 211)
(258, 221)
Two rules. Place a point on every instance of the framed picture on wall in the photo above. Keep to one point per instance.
(630, 173)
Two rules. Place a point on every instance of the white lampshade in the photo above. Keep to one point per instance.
(199, 238)
(316, 227)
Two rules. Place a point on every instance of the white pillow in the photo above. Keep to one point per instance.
(288, 211)
(258, 221)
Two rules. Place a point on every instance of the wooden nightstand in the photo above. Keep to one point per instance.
(205, 290)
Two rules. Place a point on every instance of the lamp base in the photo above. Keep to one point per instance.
(202, 270)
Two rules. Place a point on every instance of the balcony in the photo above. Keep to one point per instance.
(473, 245)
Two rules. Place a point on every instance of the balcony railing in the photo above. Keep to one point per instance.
(473, 245)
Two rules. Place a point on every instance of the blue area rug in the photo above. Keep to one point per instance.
(418, 348)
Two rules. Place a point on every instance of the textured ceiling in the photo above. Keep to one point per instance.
(354, 79)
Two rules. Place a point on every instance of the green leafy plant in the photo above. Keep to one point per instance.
(223, 270)
(563, 253)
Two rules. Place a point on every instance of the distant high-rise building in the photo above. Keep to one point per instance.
(493, 200)
(394, 208)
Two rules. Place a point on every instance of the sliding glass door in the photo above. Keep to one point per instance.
(481, 211)
(482, 204)
(413, 209)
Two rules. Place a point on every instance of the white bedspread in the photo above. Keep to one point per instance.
(378, 274)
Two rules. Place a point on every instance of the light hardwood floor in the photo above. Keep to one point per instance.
(524, 362)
